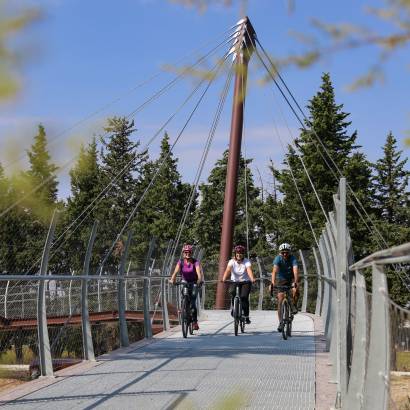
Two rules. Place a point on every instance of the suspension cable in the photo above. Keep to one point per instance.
(130, 91)
(205, 153)
(245, 170)
(296, 185)
(375, 229)
(153, 97)
(163, 162)
(87, 211)
(372, 229)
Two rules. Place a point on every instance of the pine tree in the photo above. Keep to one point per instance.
(122, 166)
(208, 219)
(162, 209)
(359, 175)
(391, 183)
(85, 188)
(328, 123)
(38, 189)
(42, 172)
(392, 200)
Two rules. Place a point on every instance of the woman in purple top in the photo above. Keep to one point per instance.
(191, 273)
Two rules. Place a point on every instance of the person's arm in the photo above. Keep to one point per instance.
(227, 273)
(275, 270)
(174, 275)
(296, 275)
(250, 273)
(199, 273)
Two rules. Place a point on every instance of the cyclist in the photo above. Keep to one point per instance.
(191, 273)
(285, 273)
(240, 270)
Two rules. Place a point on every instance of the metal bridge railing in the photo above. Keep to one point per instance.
(49, 321)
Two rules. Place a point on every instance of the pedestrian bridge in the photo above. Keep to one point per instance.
(345, 353)
(212, 369)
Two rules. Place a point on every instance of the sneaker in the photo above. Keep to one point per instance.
(247, 321)
(280, 328)
(195, 326)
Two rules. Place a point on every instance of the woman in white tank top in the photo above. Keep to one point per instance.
(240, 270)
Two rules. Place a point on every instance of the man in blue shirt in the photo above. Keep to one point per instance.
(285, 273)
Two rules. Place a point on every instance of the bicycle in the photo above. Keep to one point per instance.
(186, 312)
(285, 313)
(239, 318)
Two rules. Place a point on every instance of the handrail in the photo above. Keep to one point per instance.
(395, 254)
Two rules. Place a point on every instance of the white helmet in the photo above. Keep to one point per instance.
(285, 247)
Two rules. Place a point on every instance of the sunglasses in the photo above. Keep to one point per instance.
(284, 253)
(187, 252)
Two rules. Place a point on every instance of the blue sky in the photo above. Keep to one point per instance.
(91, 52)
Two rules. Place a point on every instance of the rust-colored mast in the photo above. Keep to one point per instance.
(244, 43)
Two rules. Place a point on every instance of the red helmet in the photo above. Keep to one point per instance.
(187, 248)
(239, 249)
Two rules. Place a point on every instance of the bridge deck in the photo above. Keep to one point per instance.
(254, 370)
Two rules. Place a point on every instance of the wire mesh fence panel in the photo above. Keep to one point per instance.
(106, 336)
(20, 300)
(18, 330)
(312, 280)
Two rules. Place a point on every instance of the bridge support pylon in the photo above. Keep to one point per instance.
(243, 46)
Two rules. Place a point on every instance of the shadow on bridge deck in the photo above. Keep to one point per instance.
(257, 369)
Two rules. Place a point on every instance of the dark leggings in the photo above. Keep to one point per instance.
(193, 292)
(244, 290)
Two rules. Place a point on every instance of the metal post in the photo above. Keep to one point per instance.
(165, 316)
(203, 294)
(124, 340)
(88, 347)
(378, 363)
(355, 394)
(327, 286)
(332, 334)
(261, 283)
(46, 364)
(69, 294)
(341, 277)
(147, 319)
(5, 298)
(243, 45)
(318, 308)
(305, 282)
(126, 287)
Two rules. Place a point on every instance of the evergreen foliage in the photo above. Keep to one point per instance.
(391, 181)
(161, 211)
(82, 205)
(42, 172)
(122, 166)
(208, 219)
(328, 123)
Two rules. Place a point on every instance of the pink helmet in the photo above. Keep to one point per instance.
(187, 248)
(239, 249)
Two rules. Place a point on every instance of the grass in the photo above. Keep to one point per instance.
(9, 357)
(403, 361)
(400, 392)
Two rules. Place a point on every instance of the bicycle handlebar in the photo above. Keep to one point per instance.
(237, 283)
(283, 287)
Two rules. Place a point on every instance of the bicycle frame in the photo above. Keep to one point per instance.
(239, 319)
(285, 312)
(185, 309)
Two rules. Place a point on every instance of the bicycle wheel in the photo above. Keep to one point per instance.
(289, 327)
(242, 325)
(236, 315)
(184, 318)
(284, 314)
